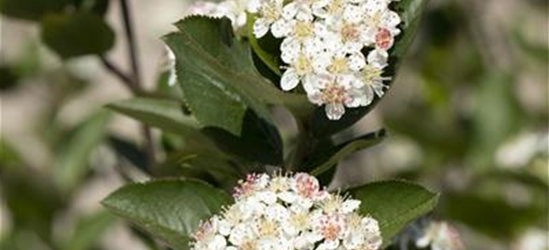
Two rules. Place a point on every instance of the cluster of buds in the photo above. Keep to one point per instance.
(287, 213)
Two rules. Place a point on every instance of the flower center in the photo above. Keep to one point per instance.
(267, 228)
(278, 184)
(303, 29)
(331, 227)
(339, 66)
(336, 7)
(350, 32)
(354, 221)
(300, 221)
(333, 93)
(249, 245)
(233, 215)
(303, 65)
(332, 204)
(271, 13)
(375, 19)
(370, 74)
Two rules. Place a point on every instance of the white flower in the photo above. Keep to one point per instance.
(328, 8)
(299, 9)
(362, 231)
(382, 27)
(301, 69)
(371, 75)
(329, 221)
(268, 12)
(235, 10)
(339, 62)
(333, 95)
(440, 236)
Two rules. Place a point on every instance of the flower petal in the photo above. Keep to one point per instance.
(356, 61)
(261, 27)
(281, 28)
(334, 111)
(378, 58)
(289, 80)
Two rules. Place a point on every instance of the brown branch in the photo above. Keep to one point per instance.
(125, 79)
(132, 52)
(130, 37)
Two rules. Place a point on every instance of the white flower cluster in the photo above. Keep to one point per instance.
(286, 213)
(323, 44)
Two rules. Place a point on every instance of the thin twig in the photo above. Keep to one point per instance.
(125, 79)
(132, 45)
(132, 52)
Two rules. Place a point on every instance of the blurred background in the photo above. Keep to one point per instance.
(467, 116)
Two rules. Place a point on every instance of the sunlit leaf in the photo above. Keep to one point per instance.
(394, 204)
(161, 113)
(169, 209)
(223, 89)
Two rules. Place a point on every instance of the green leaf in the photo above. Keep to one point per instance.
(199, 52)
(198, 150)
(410, 12)
(394, 204)
(88, 231)
(169, 209)
(223, 90)
(260, 141)
(71, 164)
(164, 114)
(330, 157)
(211, 67)
(77, 34)
(163, 87)
(31, 9)
(201, 163)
